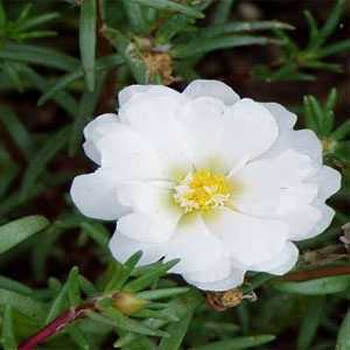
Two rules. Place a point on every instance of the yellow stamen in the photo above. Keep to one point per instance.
(202, 190)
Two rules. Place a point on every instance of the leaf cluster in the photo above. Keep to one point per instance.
(296, 63)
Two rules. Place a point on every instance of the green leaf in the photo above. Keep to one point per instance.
(87, 287)
(24, 13)
(17, 231)
(8, 339)
(311, 322)
(38, 20)
(223, 10)
(142, 343)
(237, 27)
(171, 27)
(101, 319)
(221, 327)
(310, 121)
(41, 159)
(74, 287)
(171, 6)
(178, 307)
(200, 46)
(342, 151)
(317, 112)
(87, 105)
(131, 54)
(256, 281)
(118, 279)
(2, 15)
(60, 84)
(59, 304)
(331, 24)
(87, 40)
(340, 46)
(314, 33)
(97, 232)
(9, 171)
(237, 343)
(12, 73)
(17, 130)
(184, 309)
(135, 16)
(36, 34)
(79, 337)
(42, 251)
(63, 99)
(177, 333)
(162, 293)
(148, 278)
(343, 339)
(128, 324)
(332, 99)
(102, 64)
(23, 304)
(160, 314)
(39, 55)
(14, 286)
(342, 131)
(320, 286)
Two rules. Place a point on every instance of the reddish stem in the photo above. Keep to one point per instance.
(56, 326)
(318, 273)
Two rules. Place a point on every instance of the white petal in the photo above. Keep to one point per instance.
(211, 88)
(284, 118)
(328, 181)
(234, 280)
(250, 240)
(293, 197)
(249, 131)
(309, 221)
(130, 156)
(95, 130)
(123, 248)
(144, 91)
(155, 217)
(217, 272)
(197, 248)
(272, 186)
(145, 228)
(281, 263)
(259, 189)
(95, 195)
(302, 141)
(155, 120)
(200, 117)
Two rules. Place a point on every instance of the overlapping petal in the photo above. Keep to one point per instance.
(123, 247)
(155, 119)
(250, 240)
(211, 88)
(96, 196)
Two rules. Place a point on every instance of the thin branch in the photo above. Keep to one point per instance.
(317, 273)
(56, 326)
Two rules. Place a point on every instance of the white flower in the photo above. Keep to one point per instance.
(223, 183)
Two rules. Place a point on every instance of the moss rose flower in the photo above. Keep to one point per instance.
(223, 183)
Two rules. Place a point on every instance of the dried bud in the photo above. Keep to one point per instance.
(128, 303)
(220, 301)
(160, 63)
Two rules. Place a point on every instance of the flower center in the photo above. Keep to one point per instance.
(202, 190)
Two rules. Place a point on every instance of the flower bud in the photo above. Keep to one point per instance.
(128, 303)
